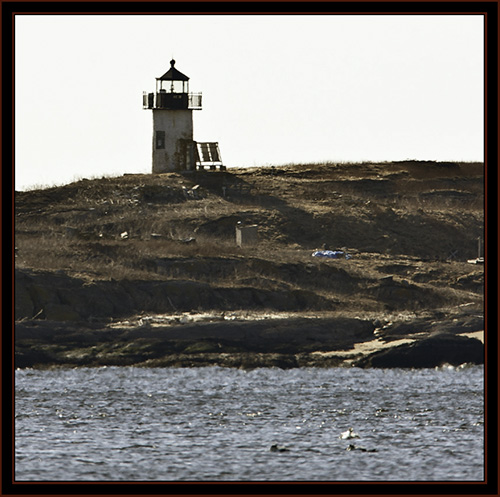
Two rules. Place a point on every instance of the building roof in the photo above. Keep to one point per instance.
(173, 74)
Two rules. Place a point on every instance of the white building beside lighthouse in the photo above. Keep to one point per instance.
(173, 146)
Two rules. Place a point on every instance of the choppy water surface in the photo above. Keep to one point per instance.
(214, 424)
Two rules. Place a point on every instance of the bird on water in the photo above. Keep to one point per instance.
(278, 448)
(361, 449)
(346, 435)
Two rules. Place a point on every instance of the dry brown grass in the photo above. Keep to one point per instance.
(78, 228)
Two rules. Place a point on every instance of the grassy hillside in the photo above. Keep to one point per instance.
(421, 209)
(143, 245)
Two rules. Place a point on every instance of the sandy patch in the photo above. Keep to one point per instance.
(365, 348)
(475, 334)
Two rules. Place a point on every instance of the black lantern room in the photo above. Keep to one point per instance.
(172, 92)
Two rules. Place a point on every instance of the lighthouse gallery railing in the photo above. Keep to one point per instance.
(165, 100)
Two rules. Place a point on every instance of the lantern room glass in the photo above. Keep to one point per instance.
(172, 86)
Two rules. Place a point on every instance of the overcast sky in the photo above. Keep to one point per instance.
(277, 89)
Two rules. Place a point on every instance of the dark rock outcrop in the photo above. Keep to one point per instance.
(273, 341)
(434, 351)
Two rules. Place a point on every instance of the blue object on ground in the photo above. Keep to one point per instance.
(330, 254)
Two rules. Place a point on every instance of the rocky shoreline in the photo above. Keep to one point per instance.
(249, 341)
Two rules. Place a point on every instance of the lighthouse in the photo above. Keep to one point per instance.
(172, 106)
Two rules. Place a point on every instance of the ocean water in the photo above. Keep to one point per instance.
(216, 424)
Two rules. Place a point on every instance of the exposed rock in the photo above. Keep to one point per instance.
(428, 353)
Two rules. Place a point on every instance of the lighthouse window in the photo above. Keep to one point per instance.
(160, 139)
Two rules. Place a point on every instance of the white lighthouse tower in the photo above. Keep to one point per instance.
(173, 105)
